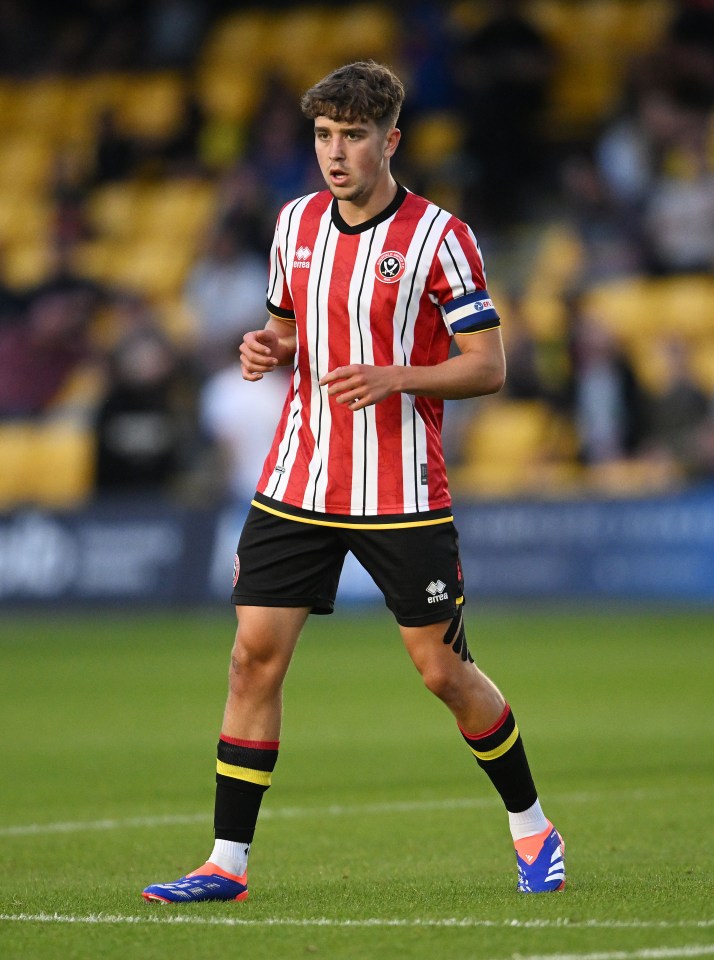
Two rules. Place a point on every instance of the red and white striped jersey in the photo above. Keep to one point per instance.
(389, 291)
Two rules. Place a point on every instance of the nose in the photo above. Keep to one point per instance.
(336, 151)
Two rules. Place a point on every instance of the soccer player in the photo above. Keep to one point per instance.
(368, 284)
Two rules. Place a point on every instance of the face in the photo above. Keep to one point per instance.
(354, 158)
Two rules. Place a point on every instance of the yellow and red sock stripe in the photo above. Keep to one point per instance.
(497, 740)
(251, 761)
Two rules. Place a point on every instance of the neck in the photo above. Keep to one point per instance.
(359, 211)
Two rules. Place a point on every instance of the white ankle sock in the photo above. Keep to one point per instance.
(528, 822)
(231, 857)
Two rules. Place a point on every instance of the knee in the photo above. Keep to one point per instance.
(254, 667)
(442, 681)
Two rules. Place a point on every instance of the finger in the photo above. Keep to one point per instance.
(339, 373)
(350, 397)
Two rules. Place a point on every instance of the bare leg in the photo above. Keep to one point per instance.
(474, 700)
(265, 642)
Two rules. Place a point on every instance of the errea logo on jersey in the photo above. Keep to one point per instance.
(436, 591)
(390, 267)
(302, 258)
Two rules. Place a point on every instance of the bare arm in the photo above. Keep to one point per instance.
(263, 350)
(479, 369)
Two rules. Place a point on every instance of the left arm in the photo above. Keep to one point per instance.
(479, 369)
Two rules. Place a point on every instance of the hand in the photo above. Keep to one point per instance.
(258, 353)
(360, 385)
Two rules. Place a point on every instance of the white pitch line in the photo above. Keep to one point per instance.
(648, 953)
(300, 813)
(163, 918)
(284, 813)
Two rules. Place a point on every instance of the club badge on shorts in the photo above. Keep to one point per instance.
(236, 569)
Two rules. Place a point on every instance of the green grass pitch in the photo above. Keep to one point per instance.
(380, 838)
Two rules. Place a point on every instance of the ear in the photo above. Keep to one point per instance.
(392, 142)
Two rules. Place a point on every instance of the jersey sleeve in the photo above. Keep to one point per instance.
(458, 283)
(279, 300)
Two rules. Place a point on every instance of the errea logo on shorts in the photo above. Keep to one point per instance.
(436, 591)
(302, 258)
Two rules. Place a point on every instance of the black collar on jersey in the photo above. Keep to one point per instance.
(388, 212)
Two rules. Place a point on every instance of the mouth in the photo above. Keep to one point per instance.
(337, 177)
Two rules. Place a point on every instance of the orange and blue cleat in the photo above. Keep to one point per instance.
(541, 862)
(209, 882)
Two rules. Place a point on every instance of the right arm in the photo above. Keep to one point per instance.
(263, 350)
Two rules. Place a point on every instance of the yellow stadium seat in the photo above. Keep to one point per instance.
(516, 446)
(27, 261)
(115, 208)
(25, 162)
(626, 307)
(155, 267)
(296, 34)
(62, 465)
(703, 366)
(238, 40)
(361, 31)
(23, 216)
(228, 93)
(15, 441)
(47, 464)
(641, 307)
(686, 302)
(176, 208)
(9, 107)
(41, 106)
(506, 430)
(594, 42)
(152, 105)
(434, 139)
(132, 210)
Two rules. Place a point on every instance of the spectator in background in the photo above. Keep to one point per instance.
(278, 146)
(11, 301)
(608, 232)
(226, 288)
(116, 154)
(656, 157)
(48, 338)
(524, 378)
(23, 38)
(502, 74)
(678, 412)
(632, 146)
(95, 35)
(172, 31)
(241, 420)
(68, 190)
(142, 420)
(243, 199)
(606, 399)
(39, 355)
(179, 153)
(679, 210)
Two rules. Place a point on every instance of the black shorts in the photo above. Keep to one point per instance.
(286, 562)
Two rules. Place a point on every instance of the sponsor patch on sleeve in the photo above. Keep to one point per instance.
(471, 313)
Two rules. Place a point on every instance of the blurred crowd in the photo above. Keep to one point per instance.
(560, 208)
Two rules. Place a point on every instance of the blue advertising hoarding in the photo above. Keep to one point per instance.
(152, 553)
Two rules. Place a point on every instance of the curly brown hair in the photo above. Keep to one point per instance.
(359, 91)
